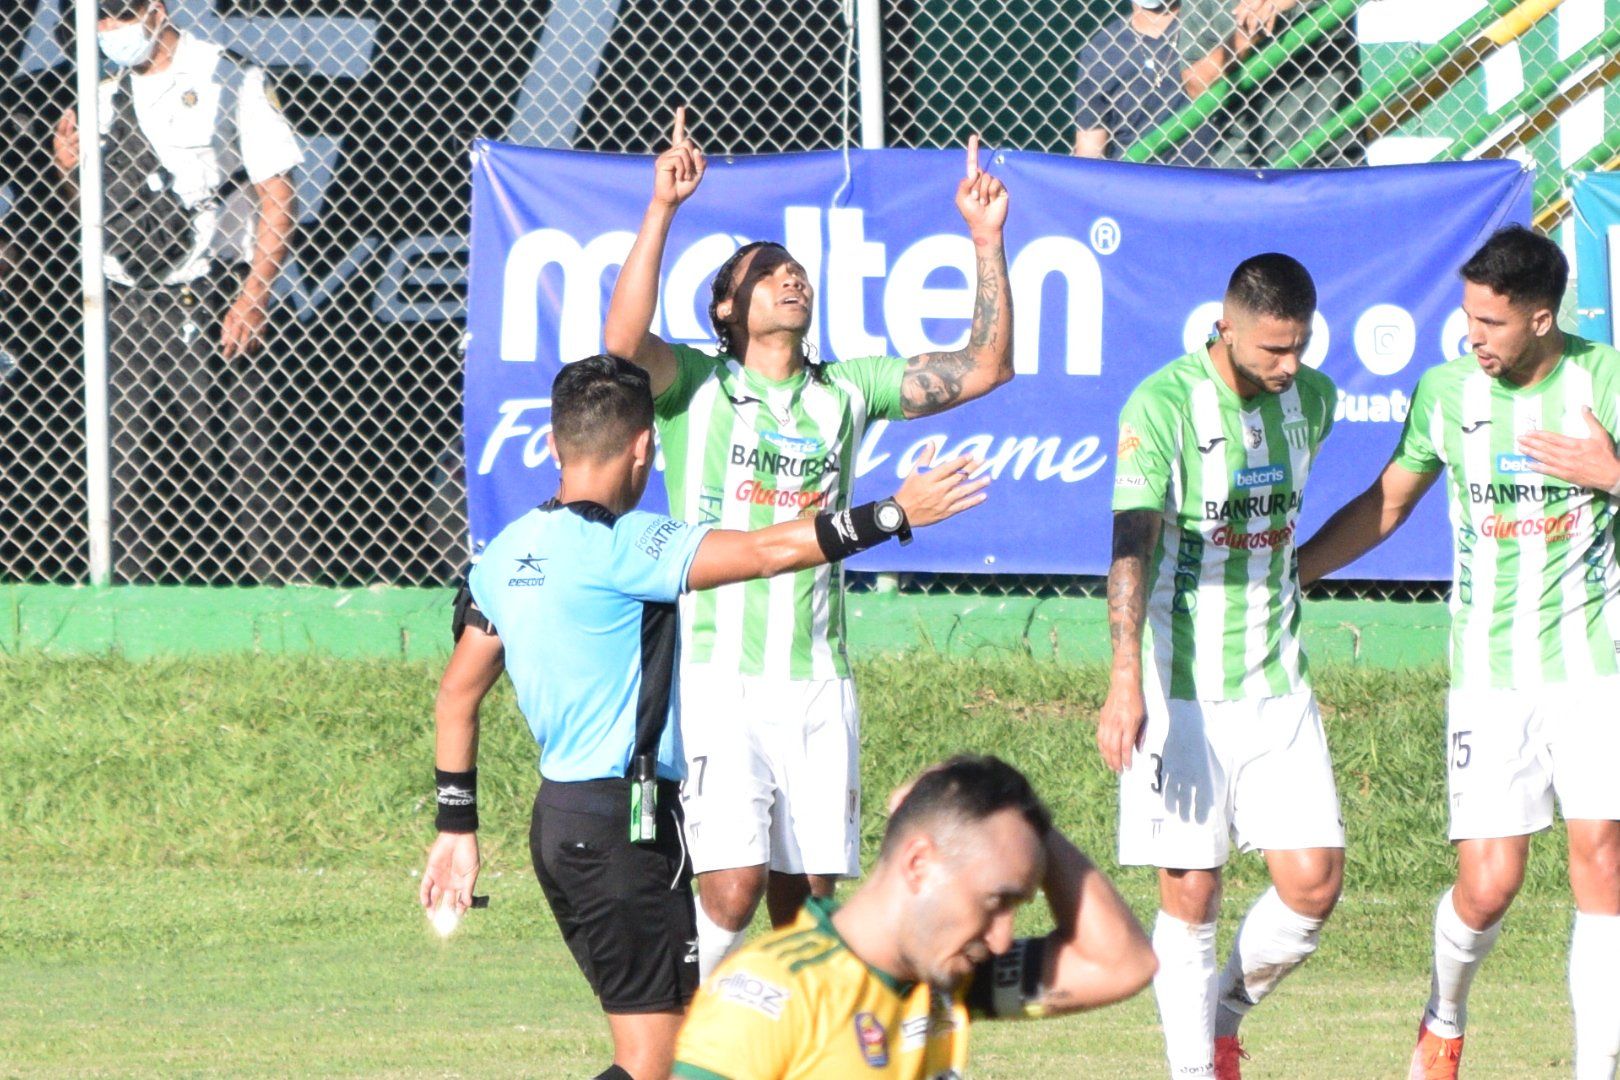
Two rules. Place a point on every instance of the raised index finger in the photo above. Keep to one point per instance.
(678, 136)
(973, 157)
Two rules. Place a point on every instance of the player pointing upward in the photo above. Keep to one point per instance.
(756, 435)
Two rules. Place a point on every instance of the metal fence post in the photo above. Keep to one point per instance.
(97, 459)
(869, 68)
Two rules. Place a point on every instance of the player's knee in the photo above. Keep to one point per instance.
(1315, 891)
(1597, 863)
(1484, 896)
(729, 897)
(1193, 896)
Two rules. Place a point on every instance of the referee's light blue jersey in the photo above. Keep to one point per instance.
(585, 607)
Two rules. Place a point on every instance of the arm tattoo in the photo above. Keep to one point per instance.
(1135, 534)
(933, 382)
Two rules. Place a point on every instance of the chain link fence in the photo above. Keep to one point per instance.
(331, 453)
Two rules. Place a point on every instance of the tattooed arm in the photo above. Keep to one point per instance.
(1136, 533)
(934, 382)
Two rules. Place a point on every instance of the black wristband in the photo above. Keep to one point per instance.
(848, 532)
(457, 794)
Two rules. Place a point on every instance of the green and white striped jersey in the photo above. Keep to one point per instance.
(1228, 476)
(744, 452)
(1535, 594)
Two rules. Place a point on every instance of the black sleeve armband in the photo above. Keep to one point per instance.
(457, 796)
(847, 532)
(1009, 986)
(466, 614)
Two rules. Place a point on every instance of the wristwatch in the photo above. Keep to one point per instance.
(891, 518)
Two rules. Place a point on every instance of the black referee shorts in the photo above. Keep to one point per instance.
(625, 910)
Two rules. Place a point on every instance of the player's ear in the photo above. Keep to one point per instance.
(643, 444)
(551, 448)
(1543, 321)
(917, 857)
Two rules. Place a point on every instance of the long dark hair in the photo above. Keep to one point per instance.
(721, 291)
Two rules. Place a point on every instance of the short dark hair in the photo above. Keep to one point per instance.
(1273, 284)
(1521, 265)
(967, 789)
(599, 404)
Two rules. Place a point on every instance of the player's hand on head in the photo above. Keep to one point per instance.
(931, 495)
(452, 870)
(1121, 723)
(679, 169)
(980, 197)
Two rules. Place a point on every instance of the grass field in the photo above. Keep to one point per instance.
(210, 871)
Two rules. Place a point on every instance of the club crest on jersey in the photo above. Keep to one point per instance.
(1260, 476)
(873, 1040)
(1254, 437)
(1516, 465)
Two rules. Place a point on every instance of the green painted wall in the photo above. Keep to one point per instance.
(384, 621)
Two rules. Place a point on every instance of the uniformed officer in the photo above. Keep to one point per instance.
(193, 139)
(576, 601)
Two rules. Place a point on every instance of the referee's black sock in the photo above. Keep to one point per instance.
(613, 1072)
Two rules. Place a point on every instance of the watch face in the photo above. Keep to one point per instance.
(889, 517)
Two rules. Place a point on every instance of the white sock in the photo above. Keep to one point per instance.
(1185, 989)
(1273, 940)
(1594, 956)
(715, 942)
(1458, 951)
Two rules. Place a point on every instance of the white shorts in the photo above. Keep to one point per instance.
(1508, 752)
(772, 772)
(1213, 773)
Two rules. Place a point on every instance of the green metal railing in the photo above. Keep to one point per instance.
(1395, 85)
(1306, 32)
(1537, 97)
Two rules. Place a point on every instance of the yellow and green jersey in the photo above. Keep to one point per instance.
(798, 1005)
(1535, 592)
(742, 452)
(1228, 476)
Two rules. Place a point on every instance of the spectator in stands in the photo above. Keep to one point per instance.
(1130, 81)
(1303, 93)
(191, 133)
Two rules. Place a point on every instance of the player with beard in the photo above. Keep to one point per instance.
(884, 985)
(1216, 734)
(1524, 427)
(756, 435)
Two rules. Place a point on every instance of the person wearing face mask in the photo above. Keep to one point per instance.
(197, 167)
(884, 985)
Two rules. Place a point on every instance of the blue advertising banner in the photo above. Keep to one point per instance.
(1597, 255)
(1116, 270)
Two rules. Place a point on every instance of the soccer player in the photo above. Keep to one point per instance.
(575, 600)
(761, 434)
(883, 986)
(1216, 734)
(1524, 426)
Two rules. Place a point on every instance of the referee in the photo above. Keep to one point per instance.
(576, 600)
